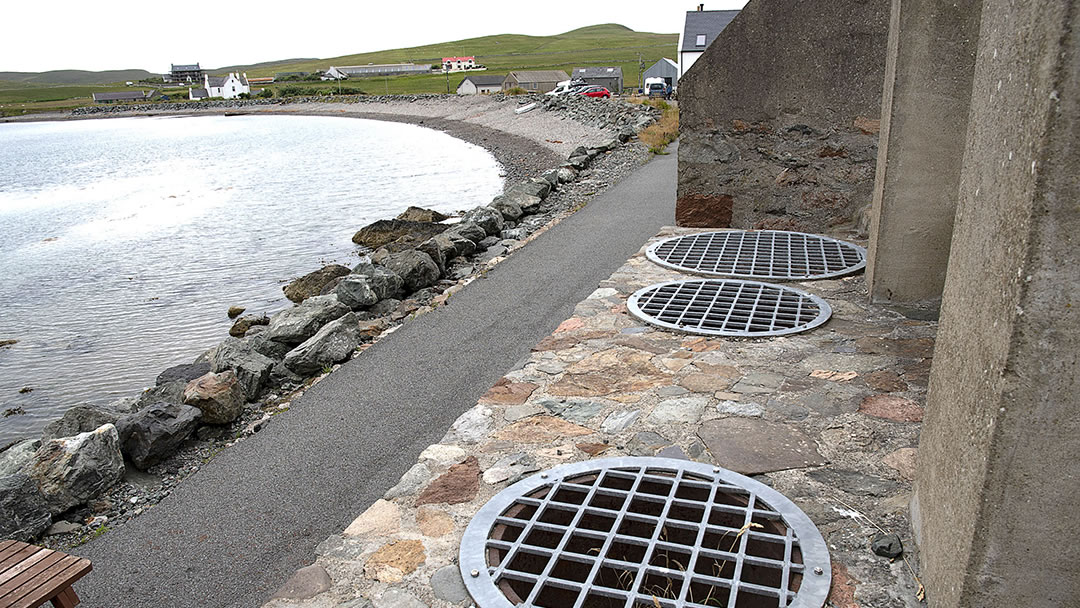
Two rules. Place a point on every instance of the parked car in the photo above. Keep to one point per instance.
(567, 87)
(595, 91)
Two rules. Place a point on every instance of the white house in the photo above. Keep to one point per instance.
(702, 27)
(458, 64)
(476, 84)
(228, 87)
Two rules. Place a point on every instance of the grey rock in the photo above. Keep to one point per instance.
(672, 451)
(555, 406)
(411, 482)
(492, 252)
(24, 514)
(488, 242)
(415, 268)
(13, 459)
(441, 249)
(72, 470)
(63, 527)
(283, 376)
(79, 419)
(854, 482)
(448, 586)
(184, 373)
(474, 425)
(382, 232)
(263, 345)
(534, 187)
(567, 174)
(517, 412)
(152, 434)
(462, 245)
(334, 343)
(398, 598)
(618, 422)
(511, 468)
(516, 234)
(758, 383)
(509, 209)
(312, 283)
(385, 307)
(490, 220)
(305, 583)
(581, 411)
(355, 291)
(696, 449)
(687, 410)
(551, 176)
(887, 545)
(384, 282)
(626, 134)
(740, 408)
(296, 324)
(646, 443)
(528, 203)
(357, 603)
(124, 405)
(170, 392)
(251, 367)
(578, 162)
(468, 230)
(671, 391)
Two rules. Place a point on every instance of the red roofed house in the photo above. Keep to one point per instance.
(458, 64)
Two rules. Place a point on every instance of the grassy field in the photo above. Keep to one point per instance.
(607, 45)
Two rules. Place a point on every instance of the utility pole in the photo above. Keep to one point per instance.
(640, 67)
(447, 72)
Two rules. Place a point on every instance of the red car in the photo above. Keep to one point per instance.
(596, 91)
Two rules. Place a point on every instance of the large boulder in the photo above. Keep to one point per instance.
(418, 214)
(567, 174)
(415, 268)
(467, 230)
(382, 282)
(185, 372)
(79, 419)
(380, 233)
(72, 470)
(169, 392)
(263, 345)
(534, 187)
(241, 326)
(312, 283)
(528, 203)
(490, 220)
(154, 433)
(551, 176)
(334, 343)
(356, 292)
(13, 459)
(462, 245)
(252, 368)
(300, 322)
(441, 249)
(219, 396)
(24, 514)
(509, 209)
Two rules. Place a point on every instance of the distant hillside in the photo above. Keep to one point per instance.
(74, 77)
(260, 66)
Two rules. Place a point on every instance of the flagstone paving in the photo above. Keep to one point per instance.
(830, 418)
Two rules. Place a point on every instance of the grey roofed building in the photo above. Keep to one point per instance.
(194, 67)
(184, 73)
(701, 28)
(197, 94)
(480, 83)
(666, 69)
(537, 81)
(121, 96)
(610, 77)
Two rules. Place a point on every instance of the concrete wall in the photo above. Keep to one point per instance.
(923, 131)
(778, 117)
(999, 479)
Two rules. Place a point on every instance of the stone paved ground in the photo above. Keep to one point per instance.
(830, 418)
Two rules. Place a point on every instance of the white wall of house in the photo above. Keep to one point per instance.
(687, 59)
(467, 88)
(232, 88)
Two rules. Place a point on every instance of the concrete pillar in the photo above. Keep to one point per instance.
(924, 119)
(998, 484)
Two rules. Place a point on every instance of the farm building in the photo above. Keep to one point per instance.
(476, 84)
(540, 81)
(702, 27)
(372, 69)
(458, 64)
(184, 73)
(666, 69)
(611, 78)
(123, 96)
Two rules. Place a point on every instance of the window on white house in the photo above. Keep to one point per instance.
(701, 40)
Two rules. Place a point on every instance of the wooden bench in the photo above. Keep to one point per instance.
(31, 576)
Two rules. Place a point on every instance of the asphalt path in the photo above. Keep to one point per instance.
(231, 534)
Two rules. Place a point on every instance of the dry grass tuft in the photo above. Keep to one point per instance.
(661, 133)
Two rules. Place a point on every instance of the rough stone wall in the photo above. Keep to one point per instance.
(779, 117)
(997, 480)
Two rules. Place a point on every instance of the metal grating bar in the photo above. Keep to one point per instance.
(760, 254)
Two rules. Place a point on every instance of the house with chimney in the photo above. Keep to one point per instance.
(231, 86)
(701, 28)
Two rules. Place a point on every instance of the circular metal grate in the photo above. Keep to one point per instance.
(641, 533)
(759, 254)
(729, 307)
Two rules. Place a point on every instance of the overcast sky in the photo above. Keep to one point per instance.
(76, 34)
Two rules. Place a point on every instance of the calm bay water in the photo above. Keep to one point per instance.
(123, 241)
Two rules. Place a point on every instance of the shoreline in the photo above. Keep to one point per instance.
(521, 158)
